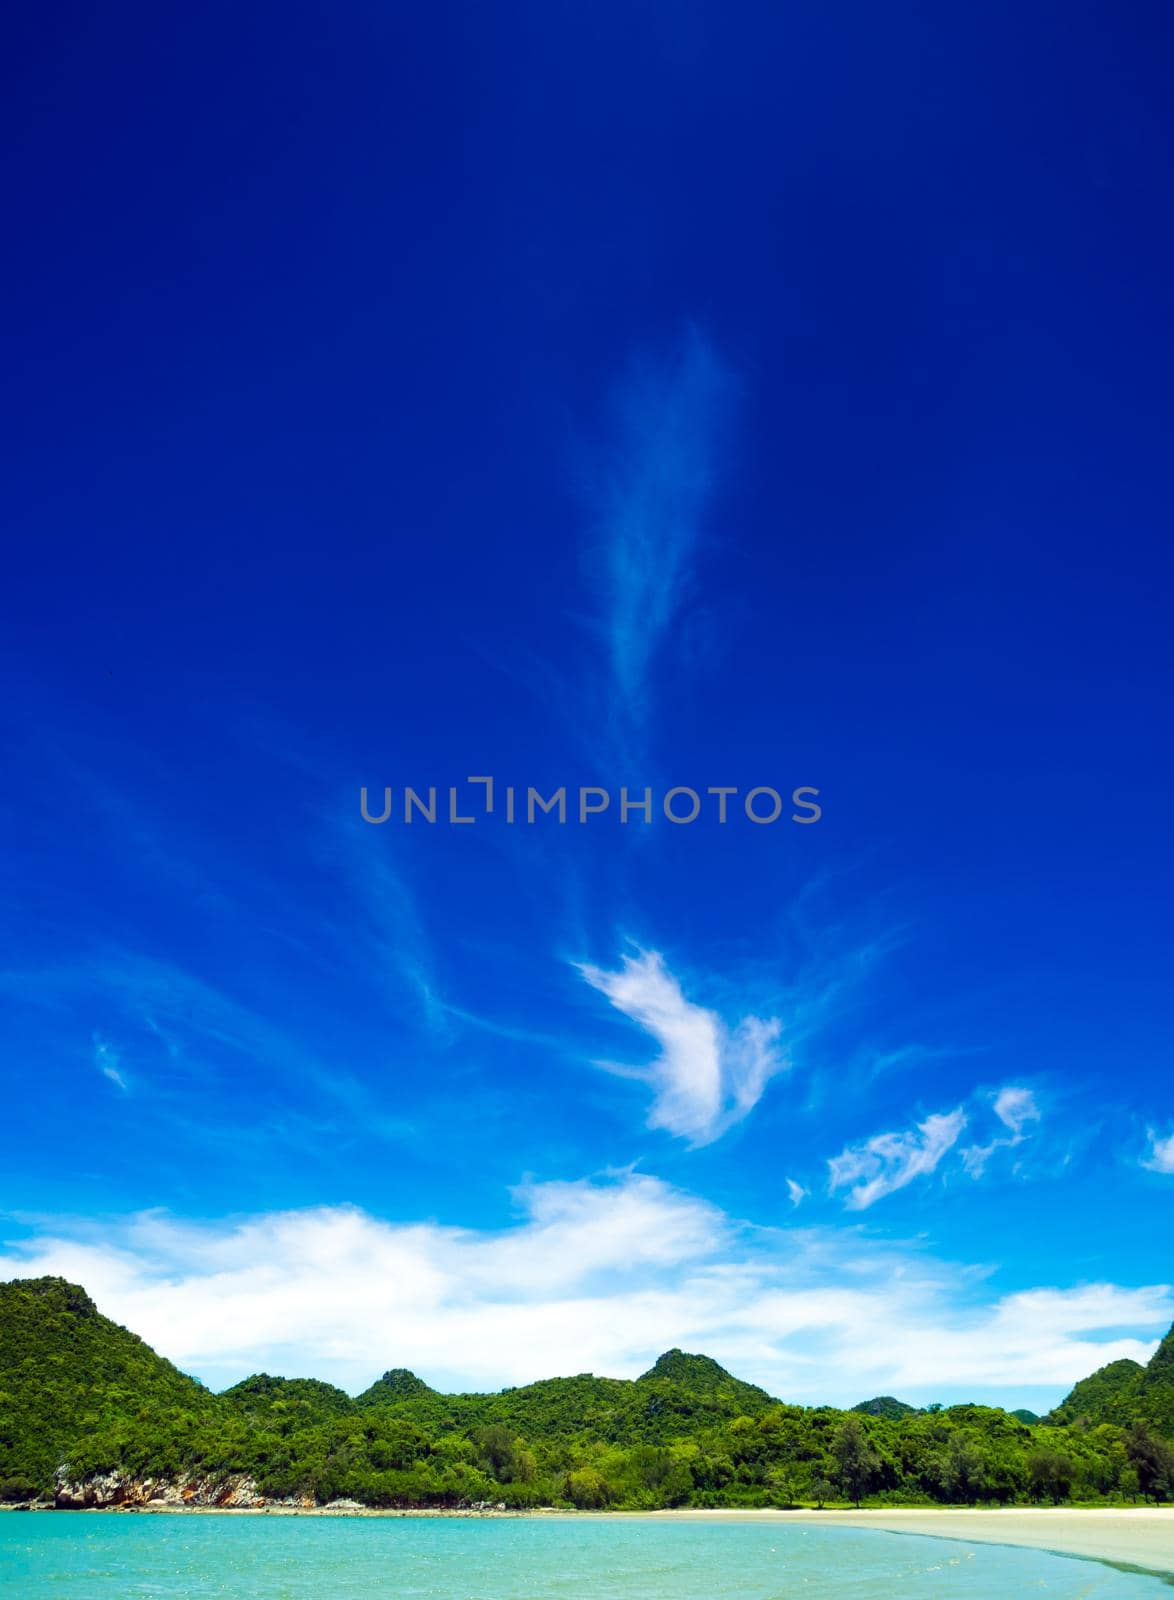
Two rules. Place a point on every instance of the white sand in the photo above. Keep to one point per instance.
(1142, 1536)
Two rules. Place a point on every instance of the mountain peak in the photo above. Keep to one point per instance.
(265, 1395)
(699, 1372)
(59, 1294)
(398, 1383)
(885, 1405)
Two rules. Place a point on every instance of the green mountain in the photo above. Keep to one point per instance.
(90, 1413)
(1154, 1393)
(1097, 1398)
(287, 1403)
(66, 1370)
(1124, 1393)
(686, 1391)
(675, 1397)
(701, 1375)
(885, 1406)
(394, 1386)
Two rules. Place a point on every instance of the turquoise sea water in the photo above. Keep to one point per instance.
(96, 1556)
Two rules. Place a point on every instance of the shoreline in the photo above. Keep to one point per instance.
(1138, 1537)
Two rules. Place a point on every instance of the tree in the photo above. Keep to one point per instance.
(1051, 1475)
(821, 1490)
(1153, 1461)
(857, 1462)
(499, 1452)
(963, 1469)
(781, 1486)
(586, 1489)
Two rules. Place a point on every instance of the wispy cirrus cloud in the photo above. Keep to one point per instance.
(656, 484)
(107, 1061)
(1161, 1152)
(708, 1074)
(879, 1166)
(205, 1033)
(593, 1274)
(404, 957)
(888, 1161)
(1015, 1108)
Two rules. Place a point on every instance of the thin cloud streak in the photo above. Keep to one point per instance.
(1015, 1109)
(888, 1161)
(656, 489)
(880, 1166)
(205, 1032)
(106, 1060)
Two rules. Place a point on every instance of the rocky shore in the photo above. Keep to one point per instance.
(118, 1491)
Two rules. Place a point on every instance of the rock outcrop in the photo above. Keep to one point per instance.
(106, 1489)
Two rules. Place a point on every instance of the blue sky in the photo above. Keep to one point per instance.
(652, 399)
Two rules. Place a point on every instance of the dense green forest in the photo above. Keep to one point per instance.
(81, 1397)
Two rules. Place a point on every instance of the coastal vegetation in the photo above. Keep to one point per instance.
(83, 1399)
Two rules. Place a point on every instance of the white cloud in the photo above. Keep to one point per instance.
(796, 1192)
(106, 1060)
(1015, 1108)
(888, 1161)
(593, 1275)
(708, 1075)
(1161, 1156)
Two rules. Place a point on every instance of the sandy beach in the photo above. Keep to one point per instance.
(1141, 1536)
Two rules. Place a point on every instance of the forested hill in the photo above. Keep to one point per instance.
(67, 1372)
(90, 1414)
(1094, 1398)
(1124, 1393)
